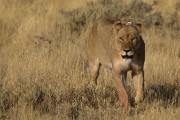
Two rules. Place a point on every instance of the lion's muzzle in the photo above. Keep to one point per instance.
(127, 54)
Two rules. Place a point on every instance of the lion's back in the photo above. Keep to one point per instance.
(99, 40)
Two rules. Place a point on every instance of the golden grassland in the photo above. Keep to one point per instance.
(43, 63)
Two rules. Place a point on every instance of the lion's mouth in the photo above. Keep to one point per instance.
(127, 56)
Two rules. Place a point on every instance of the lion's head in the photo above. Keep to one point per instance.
(127, 38)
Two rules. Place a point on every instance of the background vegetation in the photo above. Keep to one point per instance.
(43, 63)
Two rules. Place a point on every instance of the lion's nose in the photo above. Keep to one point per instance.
(127, 50)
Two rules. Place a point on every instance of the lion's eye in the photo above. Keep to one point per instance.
(121, 39)
(134, 39)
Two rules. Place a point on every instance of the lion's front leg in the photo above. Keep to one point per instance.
(119, 81)
(138, 81)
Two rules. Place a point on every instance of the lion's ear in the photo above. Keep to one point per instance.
(117, 26)
(139, 26)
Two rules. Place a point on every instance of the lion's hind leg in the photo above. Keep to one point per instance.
(94, 67)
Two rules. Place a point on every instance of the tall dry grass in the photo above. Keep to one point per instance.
(43, 63)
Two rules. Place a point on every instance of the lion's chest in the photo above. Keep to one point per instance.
(125, 64)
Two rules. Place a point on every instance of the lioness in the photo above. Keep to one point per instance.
(120, 47)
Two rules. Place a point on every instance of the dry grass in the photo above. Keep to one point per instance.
(43, 64)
